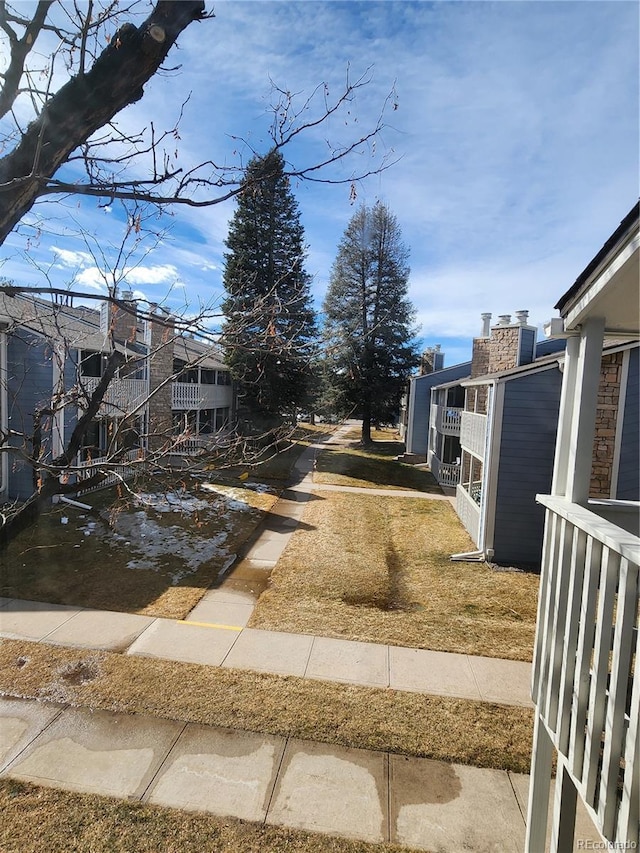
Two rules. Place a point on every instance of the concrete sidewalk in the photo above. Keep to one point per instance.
(217, 638)
(373, 796)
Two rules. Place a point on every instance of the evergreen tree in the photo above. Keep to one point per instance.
(269, 327)
(370, 339)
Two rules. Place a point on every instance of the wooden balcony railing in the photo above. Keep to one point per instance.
(473, 433)
(468, 510)
(446, 419)
(192, 395)
(446, 473)
(121, 397)
(116, 471)
(585, 682)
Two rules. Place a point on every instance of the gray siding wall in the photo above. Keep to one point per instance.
(29, 380)
(529, 426)
(629, 470)
(418, 426)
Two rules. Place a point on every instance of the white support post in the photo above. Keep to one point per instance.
(539, 789)
(565, 417)
(580, 450)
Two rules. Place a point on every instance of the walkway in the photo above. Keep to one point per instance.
(374, 796)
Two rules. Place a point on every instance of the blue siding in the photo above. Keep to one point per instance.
(629, 470)
(527, 348)
(418, 425)
(527, 446)
(29, 382)
(549, 346)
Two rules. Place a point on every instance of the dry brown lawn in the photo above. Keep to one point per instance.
(36, 819)
(456, 730)
(378, 569)
(372, 469)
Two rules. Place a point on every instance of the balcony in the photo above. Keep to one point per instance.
(584, 678)
(122, 397)
(468, 510)
(115, 472)
(446, 473)
(186, 396)
(446, 419)
(473, 433)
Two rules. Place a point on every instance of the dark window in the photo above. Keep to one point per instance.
(207, 377)
(91, 363)
(207, 421)
(224, 377)
(222, 417)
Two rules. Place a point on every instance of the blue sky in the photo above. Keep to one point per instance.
(515, 134)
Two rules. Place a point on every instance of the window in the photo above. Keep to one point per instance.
(222, 417)
(224, 377)
(207, 377)
(207, 421)
(184, 421)
(91, 363)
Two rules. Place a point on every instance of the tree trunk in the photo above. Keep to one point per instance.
(366, 423)
(88, 102)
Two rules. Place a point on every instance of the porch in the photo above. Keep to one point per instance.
(584, 684)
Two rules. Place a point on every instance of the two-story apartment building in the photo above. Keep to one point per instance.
(171, 393)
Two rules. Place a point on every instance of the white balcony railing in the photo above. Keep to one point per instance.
(446, 419)
(192, 395)
(446, 473)
(585, 681)
(473, 433)
(116, 472)
(194, 445)
(468, 511)
(122, 395)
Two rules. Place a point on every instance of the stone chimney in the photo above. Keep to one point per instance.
(512, 344)
(503, 346)
(162, 337)
(120, 318)
(480, 353)
(432, 359)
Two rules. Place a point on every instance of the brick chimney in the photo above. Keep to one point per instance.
(162, 337)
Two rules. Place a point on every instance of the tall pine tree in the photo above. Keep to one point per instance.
(369, 333)
(269, 330)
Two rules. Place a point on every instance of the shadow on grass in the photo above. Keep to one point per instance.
(365, 467)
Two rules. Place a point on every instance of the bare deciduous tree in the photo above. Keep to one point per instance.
(101, 82)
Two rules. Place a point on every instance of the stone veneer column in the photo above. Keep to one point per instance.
(160, 369)
(606, 421)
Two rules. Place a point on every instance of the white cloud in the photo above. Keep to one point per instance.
(70, 258)
(92, 278)
(155, 274)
